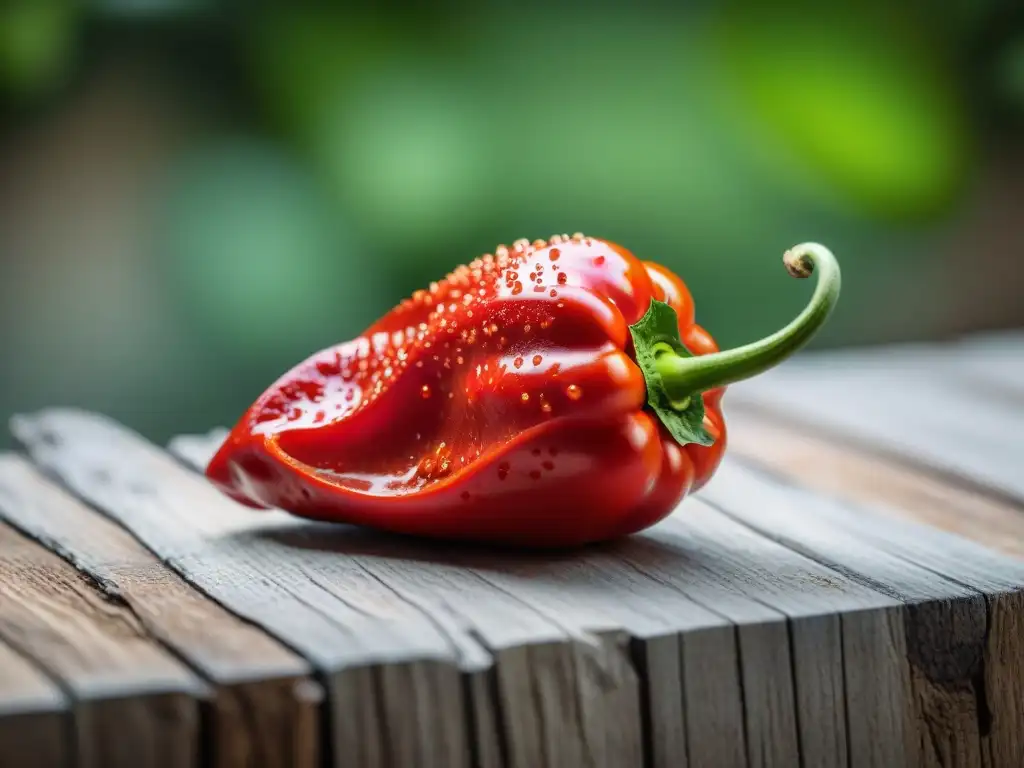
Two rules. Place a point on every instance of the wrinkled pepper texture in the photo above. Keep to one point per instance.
(550, 394)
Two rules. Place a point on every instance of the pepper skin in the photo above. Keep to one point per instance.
(503, 405)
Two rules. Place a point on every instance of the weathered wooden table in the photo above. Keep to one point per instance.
(848, 591)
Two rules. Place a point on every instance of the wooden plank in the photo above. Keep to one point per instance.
(578, 595)
(263, 710)
(998, 578)
(134, 704)
(907, 412)
(547, 664)
(586, 596)
(947, 624)
(874, 481)
(857, 474)
(801, 626)
(390, 674)
(363, 619)
(34, 716)
(666, 595)
(1001, 581)
(695, 553)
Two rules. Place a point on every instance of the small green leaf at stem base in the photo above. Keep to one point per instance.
(657, 333)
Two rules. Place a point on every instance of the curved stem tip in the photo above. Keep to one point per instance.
(685, 376)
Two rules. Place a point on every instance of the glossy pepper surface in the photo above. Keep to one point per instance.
(552, 393)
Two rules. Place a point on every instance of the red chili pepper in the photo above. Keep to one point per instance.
(550, 394)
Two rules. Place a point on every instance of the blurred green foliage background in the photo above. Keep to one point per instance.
(196, 195)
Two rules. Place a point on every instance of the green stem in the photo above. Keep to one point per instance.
(686, 376)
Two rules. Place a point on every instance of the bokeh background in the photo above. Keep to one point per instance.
(196, 195)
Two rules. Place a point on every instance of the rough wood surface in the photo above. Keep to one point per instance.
(959, 656)
(746, 703)
(34, 716)
(1000, 580)
(134, 704)
(837, 468)
(563, 690)
(797, 638)
(392, 682)
(908, 411)
(580, 595)
(263, 709)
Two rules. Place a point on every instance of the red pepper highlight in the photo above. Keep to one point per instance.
(550, 394)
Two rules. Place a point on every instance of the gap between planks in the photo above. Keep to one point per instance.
(964, 611)
(94, 647)
(263, 705)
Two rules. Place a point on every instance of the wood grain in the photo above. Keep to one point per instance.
(346, 623)
(504, 604)
(134, 704)
(998, 578)
(954, 659)
(386, 620)
(34, 716)
(903, 410)
(791, 617)
(520, 605)
(263, 709)
(702, 564)
(851, 472)
(727, 671)
(760, 625)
